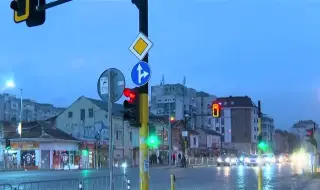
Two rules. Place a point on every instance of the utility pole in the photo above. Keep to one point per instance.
(142, 5)
(315, 147)
(110, 132)
(259, 150)
(170, 136)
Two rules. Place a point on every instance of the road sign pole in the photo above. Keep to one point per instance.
(259, 150)
(110, 130)
(142, 5)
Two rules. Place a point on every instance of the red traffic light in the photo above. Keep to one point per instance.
(130, 93)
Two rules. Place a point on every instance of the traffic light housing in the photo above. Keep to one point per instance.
(21, 10)
(262, 145)
(37, 16)
(131, 106)
(31, 11)
(310, 134)
(8, 144)
(153, 139)
(216, 109)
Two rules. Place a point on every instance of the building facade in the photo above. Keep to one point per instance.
(267, 124)
(238, 123)
(31, 111)
(203, 116)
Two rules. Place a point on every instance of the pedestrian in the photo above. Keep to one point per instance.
(179, 156)
(174, 159)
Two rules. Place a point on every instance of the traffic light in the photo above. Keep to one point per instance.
(131, 106)
(216, 109)
(21, 10)
(8, 144)
(310, 134)
(262, 145)
(153, 140)
(37, 13)
(31, 11)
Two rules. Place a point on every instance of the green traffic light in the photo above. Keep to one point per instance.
(263, 146)
(85, 152)
(153, 141)
(8, 147)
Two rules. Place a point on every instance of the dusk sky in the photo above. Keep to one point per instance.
(266, 49)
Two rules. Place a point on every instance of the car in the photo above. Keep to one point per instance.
(283, 158)
(252, 160)
(227, 161)
(268, 159)
(241, 158)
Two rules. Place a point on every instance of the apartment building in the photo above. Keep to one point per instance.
(203, 117)
(175, 100)
(10, 109)
(299, 129)
(267, 124)
(238, 123)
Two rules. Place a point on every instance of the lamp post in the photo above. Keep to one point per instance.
(11, 84)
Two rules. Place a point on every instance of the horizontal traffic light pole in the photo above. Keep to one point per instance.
(53, 4)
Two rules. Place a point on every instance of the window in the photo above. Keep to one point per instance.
(130, 136)
(90, 110)
(119, 135)
(82, 114)
(222, 121)
(218, 129)
(194, 141)
(70, 114)
(222, 130)
(232, 103)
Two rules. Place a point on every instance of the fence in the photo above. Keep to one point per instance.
(202, 161)
(92, 183)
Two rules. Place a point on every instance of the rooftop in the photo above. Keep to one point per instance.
(236, 101)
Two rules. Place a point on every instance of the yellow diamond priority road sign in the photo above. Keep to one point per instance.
(141, 46)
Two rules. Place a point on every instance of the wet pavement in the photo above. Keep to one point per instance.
(280, 177)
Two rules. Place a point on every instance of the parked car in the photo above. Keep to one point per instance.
(252, 160)
(227, 161)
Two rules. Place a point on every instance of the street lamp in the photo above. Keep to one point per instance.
(11, 84)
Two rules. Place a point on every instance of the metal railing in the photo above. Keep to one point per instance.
(5, 187)
(92, 183)
(201, 161)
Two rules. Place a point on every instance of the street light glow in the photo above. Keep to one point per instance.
(10, 84)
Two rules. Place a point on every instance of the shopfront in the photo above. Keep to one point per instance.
(60, 155)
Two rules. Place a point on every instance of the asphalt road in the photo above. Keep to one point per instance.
(202, 178)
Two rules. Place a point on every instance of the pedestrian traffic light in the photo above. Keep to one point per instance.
(153, 140)
(8, 144)
(131, 106)
(216, 109)
(310, 134)
(31, 11)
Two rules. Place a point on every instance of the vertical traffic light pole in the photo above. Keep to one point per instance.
(259, 150)
(110, 132)
(314, 150)
(142, 5)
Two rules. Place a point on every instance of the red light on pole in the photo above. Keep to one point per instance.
(127, 92)
(216, 110)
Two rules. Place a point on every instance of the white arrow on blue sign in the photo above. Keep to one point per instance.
(141, 73)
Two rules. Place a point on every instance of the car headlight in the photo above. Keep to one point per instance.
(258, 159)
(246, 159)
(219, 160)
(233, 160)
(227, 159)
